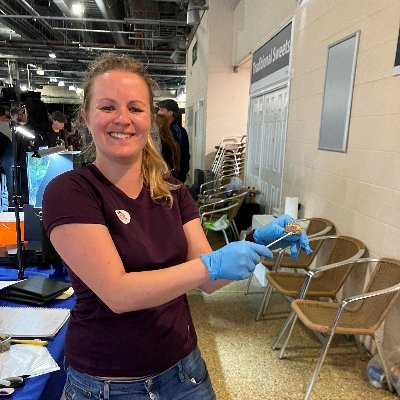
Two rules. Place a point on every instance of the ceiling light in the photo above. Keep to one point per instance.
(52, 55)
(39, 71)
(71, 87)
(61, 83)
(77, 9)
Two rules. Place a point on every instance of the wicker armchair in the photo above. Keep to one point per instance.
(366, 315)
(342, 248)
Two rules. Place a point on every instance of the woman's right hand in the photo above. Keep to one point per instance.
(235, 261)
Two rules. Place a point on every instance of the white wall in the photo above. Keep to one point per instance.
(359, 190)
(212, 78)
(255, 21)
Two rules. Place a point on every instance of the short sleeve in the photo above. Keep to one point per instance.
(71, 198)
(187, 205)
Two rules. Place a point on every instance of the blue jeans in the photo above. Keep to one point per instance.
(188, 379)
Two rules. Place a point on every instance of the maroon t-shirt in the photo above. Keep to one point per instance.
(148, 236)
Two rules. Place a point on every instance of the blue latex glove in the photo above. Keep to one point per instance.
(234, 261)
(276, 229)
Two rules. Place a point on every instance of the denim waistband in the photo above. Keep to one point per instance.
(151, 380)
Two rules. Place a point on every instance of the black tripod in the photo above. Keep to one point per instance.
(15, 129)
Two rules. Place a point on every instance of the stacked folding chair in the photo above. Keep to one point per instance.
(230, 157)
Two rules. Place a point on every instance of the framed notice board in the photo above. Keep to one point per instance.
(338, 93)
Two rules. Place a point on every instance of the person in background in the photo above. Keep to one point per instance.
(73, 140)
(6, 156)
(37, 121)
(169, 147)
(58, 120)
(130, 237)
(17, 114)
(170, 109)
(8, 112)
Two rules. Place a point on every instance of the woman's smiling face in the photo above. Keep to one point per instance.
(119, 115)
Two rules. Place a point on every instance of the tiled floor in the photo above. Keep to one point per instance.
(242, 365)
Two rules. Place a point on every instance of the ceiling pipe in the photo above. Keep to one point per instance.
(66, 11)
(46, 45)
(108, 14)
(36, 15)
(168, 22)
(175, 67)
(26, 26)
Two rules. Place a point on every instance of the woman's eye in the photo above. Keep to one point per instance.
(107, 108)
(135, 110)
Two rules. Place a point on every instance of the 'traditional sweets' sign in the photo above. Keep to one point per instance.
(272, 56)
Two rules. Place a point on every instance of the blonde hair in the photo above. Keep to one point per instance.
(154, 170)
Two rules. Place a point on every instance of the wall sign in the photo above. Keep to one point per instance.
(272, 56)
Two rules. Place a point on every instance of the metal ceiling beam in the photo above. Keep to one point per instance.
(109, 14)
(175, 67)
(66, 10)
(25, 26)
(35, 14)
(61, 48)
(102, 20)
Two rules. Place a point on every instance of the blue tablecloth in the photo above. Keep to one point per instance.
(48, 386)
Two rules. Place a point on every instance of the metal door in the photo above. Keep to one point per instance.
(266, 145)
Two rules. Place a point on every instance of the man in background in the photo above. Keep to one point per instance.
(170, 109)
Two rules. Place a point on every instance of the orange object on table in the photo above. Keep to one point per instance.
(8, 232)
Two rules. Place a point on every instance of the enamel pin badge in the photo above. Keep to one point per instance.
(123, 216)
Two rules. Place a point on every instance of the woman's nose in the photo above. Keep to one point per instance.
(123, 116)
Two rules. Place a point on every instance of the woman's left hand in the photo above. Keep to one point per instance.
(276, 229)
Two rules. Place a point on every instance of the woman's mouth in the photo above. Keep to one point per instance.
(120, 135)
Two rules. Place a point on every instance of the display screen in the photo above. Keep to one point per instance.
(42, 170)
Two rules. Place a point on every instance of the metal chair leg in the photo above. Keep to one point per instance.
(319, 364)
(235, 230)
(249, 283)
(384, 363)
(283, 348)
(264, 302)
(360, 348)
(225, 236)
(283, 330)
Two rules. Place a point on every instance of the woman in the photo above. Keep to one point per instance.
(73, 139)
(169, 147)
(133, 245)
